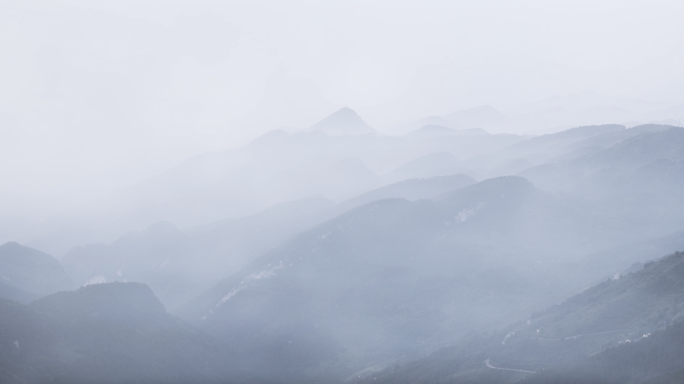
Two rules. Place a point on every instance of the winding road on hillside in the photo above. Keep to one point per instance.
(489, 365)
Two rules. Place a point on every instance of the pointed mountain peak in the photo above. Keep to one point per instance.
(343, 122)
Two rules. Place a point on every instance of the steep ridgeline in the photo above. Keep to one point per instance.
(160, 256)
(555, 148)
(410, 189)
(277, 167)
(116, 332)
(628, 256)
(624, 330)
(646, 165)
(178, 265)
(27, 274)
(543, 148)
(434, 164)
(395, 279)
(343, 122)
(643, 174)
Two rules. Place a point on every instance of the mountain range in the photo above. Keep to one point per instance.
(447, 254)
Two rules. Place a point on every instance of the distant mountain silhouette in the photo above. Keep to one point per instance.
(26, 274)
(623, 330)
(158, 256)
(417, 124)
(645, 162)
(121, 302)
(345, 287)
(274, 168)
(411, 189)
(169, 260)
(115, 333)
(343, 122)
(434, 164)
(540, 149)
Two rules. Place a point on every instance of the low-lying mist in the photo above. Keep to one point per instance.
(183, 198)
(321, 256)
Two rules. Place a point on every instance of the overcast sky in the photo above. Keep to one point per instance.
(88, 86)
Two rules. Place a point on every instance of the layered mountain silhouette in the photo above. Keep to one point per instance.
(27, 274)
(343, 122)
(644, 169)
(396, 278)
(333, 255)
(117, 332)
(170, 260)
(434, 164)
(624, 330)
(274, 168)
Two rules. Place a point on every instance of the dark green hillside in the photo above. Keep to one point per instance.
(624, 330)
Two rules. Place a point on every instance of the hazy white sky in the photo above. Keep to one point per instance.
(87, 86)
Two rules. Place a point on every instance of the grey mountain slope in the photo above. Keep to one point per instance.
(550, 148)
(116, 333)
(557, 141)
(597, 143)
(410, 189)
(158, 256)
(28, 273)
(541, 149)
(619, 331)
(232, 243)
(343, 122)
(434, 164)
(645, 164)
(626, 257)
(274, 168)
(177, 265)
(13, 293)
(403, 129)
(464, 146)
(355, 287)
